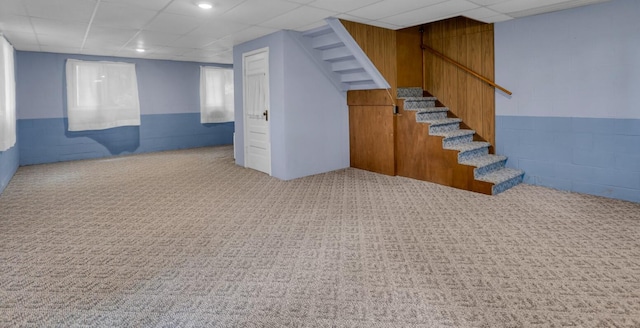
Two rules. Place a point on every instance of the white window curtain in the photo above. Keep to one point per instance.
(7, 96)
(256, 97)
(101, 95)
(216, 95)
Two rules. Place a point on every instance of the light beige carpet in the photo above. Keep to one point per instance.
(189, 239)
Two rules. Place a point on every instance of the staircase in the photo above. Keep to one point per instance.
(487, 167)
(340, 57)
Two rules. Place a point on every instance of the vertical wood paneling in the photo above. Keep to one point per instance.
(470, 43)
(371, 119)
(409, 63)
(371, 136)
(380, 46)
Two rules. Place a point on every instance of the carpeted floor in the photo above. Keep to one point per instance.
(189, 239)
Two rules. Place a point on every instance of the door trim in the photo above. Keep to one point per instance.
(244, 101)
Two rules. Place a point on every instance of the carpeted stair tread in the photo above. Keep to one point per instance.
(484, 160)
(448, 120)
(409, 92)
(469, 146)
(418, 98)
(454, 133)
(432, 110)
(501, 175)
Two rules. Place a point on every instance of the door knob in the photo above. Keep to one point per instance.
(266, 115)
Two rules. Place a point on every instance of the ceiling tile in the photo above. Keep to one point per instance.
(170, 28)
(27, 47)
(388, 8)
(60, 49)
(100, 37)
(497, 18)
(518, 5)
(487, 2)
(106, 51)
(68, 10)
(341, 5)
(189, 8)
(552, 7)
(148, 4)
(218, 28)
(130, 52)
(173, 23)
(479, 13)
(122, 16)
(431, 13)
(59, 40)
(311, 26)
(147, 39)
(12, 7)
(201, 53)
(18, 38)
(253, 12)
(384, 25)
(192, 41)
(250, 33)
(73, 30)
(221, 45)
(171, 51)
(15, 23)
(298, 17)
(301, 1)
(353, 18)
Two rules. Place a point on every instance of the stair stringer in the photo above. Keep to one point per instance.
(340, 58)
(358, 53)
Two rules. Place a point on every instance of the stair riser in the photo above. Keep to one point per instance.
(417, 104)
(424, 117)
(496, 189)
(409, 92)
(478, 171)
(472, 154)
(443, 128)
(448, 142)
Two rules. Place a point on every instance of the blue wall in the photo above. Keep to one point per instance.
(169, 106)
(309, 118)
(8, 165)
(573, 122)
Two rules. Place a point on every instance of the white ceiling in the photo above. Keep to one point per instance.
(179, 30)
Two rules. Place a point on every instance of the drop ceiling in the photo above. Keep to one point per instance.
(179, 30)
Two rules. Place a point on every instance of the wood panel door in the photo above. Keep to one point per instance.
(371, 134)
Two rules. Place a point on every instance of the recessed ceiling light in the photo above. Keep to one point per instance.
(140, 50)
(204, 5)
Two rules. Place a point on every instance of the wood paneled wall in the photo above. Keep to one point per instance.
(371, 119)
(409, 57)
(380, 46)
(470, 43)
(373, 128)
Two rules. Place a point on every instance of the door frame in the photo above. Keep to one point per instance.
(244, 102)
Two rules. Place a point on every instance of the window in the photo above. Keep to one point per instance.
(216, 95)
(7, 96)
(101, 95)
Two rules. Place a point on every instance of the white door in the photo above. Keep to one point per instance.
(256, 110)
